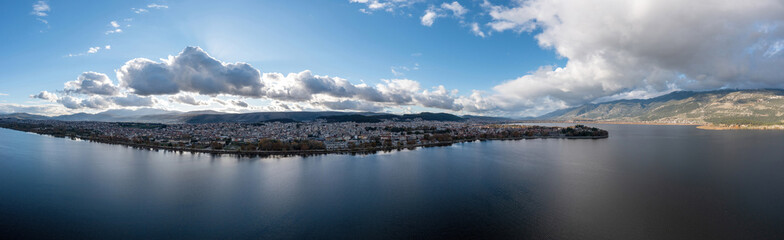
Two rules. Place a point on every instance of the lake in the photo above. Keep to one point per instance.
(643, 182)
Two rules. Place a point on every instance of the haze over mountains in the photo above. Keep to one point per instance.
(751, 107)
(164, 116)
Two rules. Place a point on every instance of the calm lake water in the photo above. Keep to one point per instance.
(644, 182)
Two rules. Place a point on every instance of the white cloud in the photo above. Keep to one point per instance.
(186, 99)
(385, 5)
(193, 70)
(150, 6)
(457, 9)
(132, 100)
(92, 83)
(90, 50)
(45, 109)
(476, 30)
(139, 10)
(94, 102)
(401, 70)
(639, 46)
(429, 17)
(115, 26)
(41, 9)
(239, 103)
(432, 13)
(97, 101)
(118, 30)
(221, 102)
(156, 6)
(44, 95)
(350, 105)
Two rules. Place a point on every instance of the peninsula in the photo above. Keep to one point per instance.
(286, 137)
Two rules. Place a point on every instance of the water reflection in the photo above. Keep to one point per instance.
(644, 182)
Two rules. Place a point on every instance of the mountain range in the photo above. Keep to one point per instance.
(150, 115)
(719, 107)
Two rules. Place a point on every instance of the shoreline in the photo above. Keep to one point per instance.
(741, 127)
(303, 153)
(698, 126)
(620, 122)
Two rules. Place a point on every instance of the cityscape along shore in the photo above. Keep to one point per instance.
(295, 138)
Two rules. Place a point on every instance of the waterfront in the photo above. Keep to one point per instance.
(644, 182)
(300, 138)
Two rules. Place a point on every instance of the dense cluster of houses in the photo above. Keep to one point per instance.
(329, 135)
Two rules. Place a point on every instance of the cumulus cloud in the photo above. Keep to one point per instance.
(101, 102)
(439, 97)
(187, 99)
(193, 70)
(239, 103)
(304, 86)
(433, 12)
(632, 47)
(44, 95)
(96, 91)
(134, 101)
(455, 7)
(429, 17)
(221, 102)
(95, 102)
(92, 83)
(350, 105)
(46, 109)
(476, 30)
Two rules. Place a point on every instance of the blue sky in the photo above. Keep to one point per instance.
(371, 44)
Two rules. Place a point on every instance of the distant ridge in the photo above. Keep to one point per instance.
(721, 107)
(164, 116)
(427, 116)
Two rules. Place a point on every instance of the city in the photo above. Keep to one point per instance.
(295, 137)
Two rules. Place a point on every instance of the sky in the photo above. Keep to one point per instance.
(499, 58)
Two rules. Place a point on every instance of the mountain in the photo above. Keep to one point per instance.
(25, 116)
(124, 115)
(721, 107)
(427, 116)
(486, 118)
(258, 116)
(149, 115)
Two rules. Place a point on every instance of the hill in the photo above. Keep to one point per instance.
(721, 107)
(163, 116)
(427, 116)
